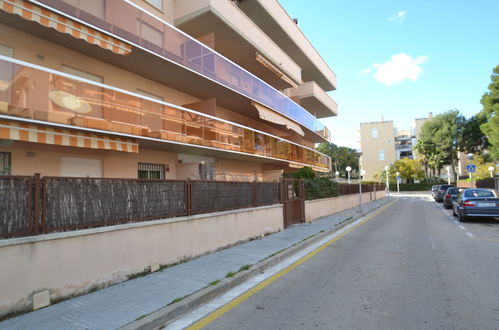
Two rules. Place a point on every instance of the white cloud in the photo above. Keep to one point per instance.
(365, 71)
(399, 68)
(398, 17)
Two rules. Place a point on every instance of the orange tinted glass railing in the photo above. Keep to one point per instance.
(136, 26)
(37, 94)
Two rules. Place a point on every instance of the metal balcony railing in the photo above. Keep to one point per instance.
(36, 93)
(131, 23)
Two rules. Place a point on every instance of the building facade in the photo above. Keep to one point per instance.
(382, 144)
(159, 89)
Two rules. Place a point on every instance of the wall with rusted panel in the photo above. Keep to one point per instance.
(75, 262)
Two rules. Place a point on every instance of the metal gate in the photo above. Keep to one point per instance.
(292, 196)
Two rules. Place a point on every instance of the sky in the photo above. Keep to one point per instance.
(400, 60)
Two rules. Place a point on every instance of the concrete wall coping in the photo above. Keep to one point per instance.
(97, 230)
(328, 198)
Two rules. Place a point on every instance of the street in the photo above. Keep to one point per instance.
(411, 266)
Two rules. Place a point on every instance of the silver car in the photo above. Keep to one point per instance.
(477, 202)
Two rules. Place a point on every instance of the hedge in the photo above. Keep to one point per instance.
(412, 186)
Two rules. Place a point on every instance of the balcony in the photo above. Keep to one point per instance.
(238, 38)
(124, 20)
(314, 99)
(32, 93)
(271, 17)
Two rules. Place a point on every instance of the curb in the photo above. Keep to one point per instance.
(169, 313)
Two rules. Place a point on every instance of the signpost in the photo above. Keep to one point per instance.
(398, 183)
(471, 169)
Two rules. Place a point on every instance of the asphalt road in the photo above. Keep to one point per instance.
(410, 267)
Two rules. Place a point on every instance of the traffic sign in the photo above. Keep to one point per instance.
(471, 168)
(398, 178)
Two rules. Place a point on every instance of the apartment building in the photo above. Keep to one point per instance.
(382, 144)
(159, 89)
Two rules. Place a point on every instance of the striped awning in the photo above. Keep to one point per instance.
(273, 117)
(63, 137)
(266, 63)
(47, 18)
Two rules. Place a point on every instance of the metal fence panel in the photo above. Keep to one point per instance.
(267, 193)
(210, 196)
(84, 202)
(15, 205)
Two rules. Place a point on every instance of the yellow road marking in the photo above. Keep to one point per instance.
(485, 239)
(232, 304)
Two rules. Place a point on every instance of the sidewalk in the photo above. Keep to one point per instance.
(120, 304)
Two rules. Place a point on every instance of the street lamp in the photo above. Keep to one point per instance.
(398, 182)
(448, 175)
(491, 168)
(470, 157)
(348, 172)
(387, 183)
(362, 173)
(337, 173)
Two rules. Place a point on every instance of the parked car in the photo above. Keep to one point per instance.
(477, 202)
(450, 196)
(434, 191)
(439, 195)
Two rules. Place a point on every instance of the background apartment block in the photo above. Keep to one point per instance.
(199, 89)
(382, 144)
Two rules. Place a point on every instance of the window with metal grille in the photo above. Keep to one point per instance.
(5, 166)
(151, 171)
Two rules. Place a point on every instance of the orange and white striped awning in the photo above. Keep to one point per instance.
(273, 117)
(47, 18)
(63, 137)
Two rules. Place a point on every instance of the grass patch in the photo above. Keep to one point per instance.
(230, 274)
(322, 231)
(307, 238)
(176, 300)
(244, 267)
(142, 316)
(214, 282)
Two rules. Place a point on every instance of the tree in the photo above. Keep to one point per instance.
(409, 169)
(425, 151)
(490, 114)
(472, 139)
(341, 157)
(444, 131)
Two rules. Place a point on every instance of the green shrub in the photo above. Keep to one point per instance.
(304, 173)
(412, 186)
(320, 187)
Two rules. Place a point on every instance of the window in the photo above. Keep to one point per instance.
(81, 74)
(151, 34)
(6, 68)
(156, 3)
(152, 96)
(5, 167)
(6, 51)
(151, 171)
(381, 155)
(374, 132)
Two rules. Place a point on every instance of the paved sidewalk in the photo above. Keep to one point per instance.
(120, 304)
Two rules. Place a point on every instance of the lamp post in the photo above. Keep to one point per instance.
(348, 172)
(491, 168)
(361, 177)
(398, 182)
(448, 175)
(387, 183)
(336, 173)
(470, 157)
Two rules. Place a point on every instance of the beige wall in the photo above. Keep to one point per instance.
(233, 170)
(73, 263)
(29, 158)
(370, 146)
(319, 208)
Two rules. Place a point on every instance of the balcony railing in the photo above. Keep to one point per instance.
(133, 24)
(37, 93)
